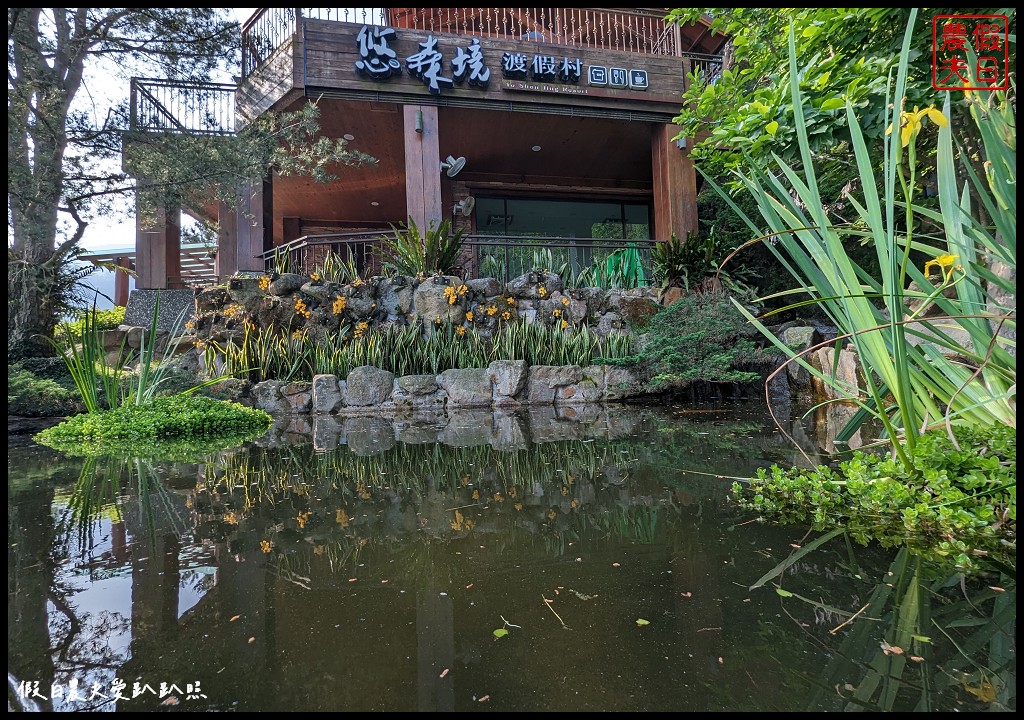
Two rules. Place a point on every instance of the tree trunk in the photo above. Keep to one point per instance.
(30, 314)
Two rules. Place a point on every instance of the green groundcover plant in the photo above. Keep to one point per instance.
(168, 417)
(958, 503)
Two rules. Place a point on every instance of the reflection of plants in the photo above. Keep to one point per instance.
(919, 638)
(958, 507)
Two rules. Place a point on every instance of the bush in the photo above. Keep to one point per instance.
(104, 320)
(700, 338)
(31, 396)
(954, 502)
(171, 417)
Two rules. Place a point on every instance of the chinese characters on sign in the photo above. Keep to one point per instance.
(970, 52)
(378, 62)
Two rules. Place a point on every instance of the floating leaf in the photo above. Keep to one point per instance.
(500, 633)
(783, 593)
(641, 622)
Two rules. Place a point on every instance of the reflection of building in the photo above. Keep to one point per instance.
(539, 127)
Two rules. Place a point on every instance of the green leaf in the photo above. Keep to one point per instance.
(833, 104)
(771, 128)
(783, 593)
(500, 633)
(641, 622)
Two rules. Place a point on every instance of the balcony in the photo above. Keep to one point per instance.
(633, 30)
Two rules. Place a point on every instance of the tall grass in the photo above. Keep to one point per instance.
(941, 377)
(269, 354)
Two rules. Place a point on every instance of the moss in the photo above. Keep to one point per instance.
(31, 396)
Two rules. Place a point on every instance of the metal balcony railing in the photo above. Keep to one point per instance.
(499, 256)
(181, 107)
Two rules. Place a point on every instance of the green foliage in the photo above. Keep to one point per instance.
(268, 354)
(693, 265)
(409, 252)
(622, 268)
(927, 380)
(171, 417)
(955, 502)
(847, 54)
(96, 380)
(100, 320)
(336, 269)
(30, 396)
(699, 338)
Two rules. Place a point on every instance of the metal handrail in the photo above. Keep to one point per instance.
(179, 107)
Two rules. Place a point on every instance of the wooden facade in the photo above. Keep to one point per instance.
(553, 104)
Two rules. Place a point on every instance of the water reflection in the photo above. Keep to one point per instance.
(364, 565)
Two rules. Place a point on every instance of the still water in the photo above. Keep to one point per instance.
(541, 561)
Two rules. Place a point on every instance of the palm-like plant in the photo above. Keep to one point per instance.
(411, 252)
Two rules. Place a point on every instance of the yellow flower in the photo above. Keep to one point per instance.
(491, 309)
(469, 316)
(314, 276)
(910, 122)
(942, 261)
(476, 494)
(300, 307)
(302, 518)
(565, 324)
(265, 545)
(437, 320)
(264, 283)
(518, 506)
(460, 331)
(339, 304)
(565, 301)
(498, 497)
(341, 517)
(462, 290)
(357, 282)
(542, 291)
(556, 312)
(231, 518)
(510, 300)
(506, 315)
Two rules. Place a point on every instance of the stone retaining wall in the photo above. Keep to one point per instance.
(503, 384)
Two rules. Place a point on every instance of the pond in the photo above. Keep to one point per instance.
(566, 560)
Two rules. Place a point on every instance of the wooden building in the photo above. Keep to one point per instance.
(527, 127)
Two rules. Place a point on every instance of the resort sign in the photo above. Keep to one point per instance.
(520, 71)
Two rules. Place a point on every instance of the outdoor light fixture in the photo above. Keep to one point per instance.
(681, 143)
(452, 165)
(349, 136)
(536, 148)
(419, 121)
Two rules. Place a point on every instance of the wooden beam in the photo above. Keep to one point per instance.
(422, 165)
(675, 185)
(227, 241)
(121, 282)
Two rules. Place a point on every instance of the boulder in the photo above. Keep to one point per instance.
(326, 394)
(267, 396)
(286, 284)
(622, 382)
(367, 385)
(417, 384)
(431, 302)
(487, 287)
(528, 285)
(467, 387)
(545, 379)
(507, 378)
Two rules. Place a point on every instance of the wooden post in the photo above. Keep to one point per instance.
(121, 282)
(157, 249)
(227, 242)
(675, 185)
(422, 165)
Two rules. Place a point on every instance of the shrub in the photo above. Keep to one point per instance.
(31, 396)
(101, 320)
(956, 501)
(699, 338)
(410, 252)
